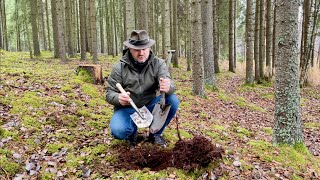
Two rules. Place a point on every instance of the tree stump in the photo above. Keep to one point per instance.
(95, 70)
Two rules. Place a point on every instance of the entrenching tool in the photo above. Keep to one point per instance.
(142, 117)
(161, 109)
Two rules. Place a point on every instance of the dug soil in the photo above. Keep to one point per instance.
(186, 154)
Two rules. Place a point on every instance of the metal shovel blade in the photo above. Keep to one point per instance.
(142, 117)
(160, 114)
(145, 120)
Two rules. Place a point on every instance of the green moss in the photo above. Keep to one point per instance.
(90, 90)
(5, 134)
(10, 167)
(47, 176)
(224, 97)
(297, 157)
(31, 122)
(185, 135)
(70, 120)
(268, 130)
(98, 124)
(218, 127)
(268, 96)
(53, 148)
(84, 75)
(185, 105)
(243, 103)
(84, 112)
(29, 100)
(242, 131)
(97, 102)
(73, 161)
(312, 125)
(214, 135)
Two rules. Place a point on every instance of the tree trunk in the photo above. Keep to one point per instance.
(82, 15)
(93, 31)
(43, 30)
(101, 26)
(167, 24)
(142, 15)
(249, 43)
(17, 27)
(69, 28)
(288, 126)
(61, 38)
(55, 29)
(129, 18)
(215, 37)
(197, 62)
(231, 36)
(207, 42)
(268, 42)
(174, 34)
(35, 32)
(256, 43)
(48, 26)
(262, 41)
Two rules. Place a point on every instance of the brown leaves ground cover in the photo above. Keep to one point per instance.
(54, 125)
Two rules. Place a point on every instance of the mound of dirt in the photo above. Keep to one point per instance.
(187, 155)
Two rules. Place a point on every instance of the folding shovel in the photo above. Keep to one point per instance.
(161, 110)
(160, 113)
(142, 117)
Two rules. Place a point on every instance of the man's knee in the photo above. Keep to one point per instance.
(118, 132)
(173, 101)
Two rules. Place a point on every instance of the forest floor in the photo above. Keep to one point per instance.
(54, 125)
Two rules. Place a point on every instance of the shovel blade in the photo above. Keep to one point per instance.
(145, 121)
(160, 115)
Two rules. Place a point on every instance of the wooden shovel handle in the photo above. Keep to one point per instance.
(120, 88)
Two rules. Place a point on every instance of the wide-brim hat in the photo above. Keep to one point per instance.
(139, 39)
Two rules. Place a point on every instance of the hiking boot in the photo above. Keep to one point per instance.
(159, 140)
(132, 140)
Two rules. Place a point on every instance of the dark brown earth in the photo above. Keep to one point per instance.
(186, 154)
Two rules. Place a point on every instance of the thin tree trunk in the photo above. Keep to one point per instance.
(262, 41)
(256, 43)
(55, 28)
(249, 43)
(48, 26)
(197, 64)
(269, 42)
(231, 36)
(82, 11)
(207, 42)
(35, 32)
(215, 37)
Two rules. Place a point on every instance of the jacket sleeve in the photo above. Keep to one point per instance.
(164, 73)
(112, 92)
